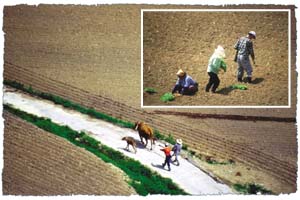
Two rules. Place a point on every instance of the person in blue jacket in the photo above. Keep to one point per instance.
(176, 151)
(185, 85)
(216, 62)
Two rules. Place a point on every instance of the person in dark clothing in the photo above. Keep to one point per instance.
(185, 85)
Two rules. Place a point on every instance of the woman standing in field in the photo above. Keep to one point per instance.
(216, 62)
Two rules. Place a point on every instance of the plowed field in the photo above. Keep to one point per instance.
(95, 61)
(186, 40)
(39, 163)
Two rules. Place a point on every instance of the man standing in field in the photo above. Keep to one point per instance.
(244, 48)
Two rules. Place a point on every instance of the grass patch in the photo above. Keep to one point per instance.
(142, 179)
(150, 90)
(251, 188)
(239, 86)
(167, 97)
(212, 161)
(170, 139)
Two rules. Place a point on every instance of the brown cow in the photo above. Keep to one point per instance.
(145, 132)
(130, 141)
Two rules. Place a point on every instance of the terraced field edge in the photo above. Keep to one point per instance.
(91, 112)
(142, 179)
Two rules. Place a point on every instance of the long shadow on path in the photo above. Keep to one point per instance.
(159, 166)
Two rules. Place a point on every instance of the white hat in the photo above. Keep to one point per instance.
(180, 73)
(179, 141)
(252, 33)
(220, 51)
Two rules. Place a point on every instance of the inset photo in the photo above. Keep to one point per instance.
(215, 58)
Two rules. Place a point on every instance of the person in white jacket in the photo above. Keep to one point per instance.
(216, 62)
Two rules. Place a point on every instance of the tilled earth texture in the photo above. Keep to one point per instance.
(39, 163)
(174, 40)
(92, 56)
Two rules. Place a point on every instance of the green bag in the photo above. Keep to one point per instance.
(240, 87)
(167, 97)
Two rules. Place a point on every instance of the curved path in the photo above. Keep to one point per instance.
(187, 176)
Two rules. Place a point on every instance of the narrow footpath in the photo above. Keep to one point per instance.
(187, 176)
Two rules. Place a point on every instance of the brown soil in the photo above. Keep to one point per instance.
(39, 163)
(92, 56)
(186, 40)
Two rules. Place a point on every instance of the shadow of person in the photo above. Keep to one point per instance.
(158, 166)
(225, 91)
(257, 80)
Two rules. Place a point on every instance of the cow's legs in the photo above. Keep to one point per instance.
(141, 139)
(151, 143)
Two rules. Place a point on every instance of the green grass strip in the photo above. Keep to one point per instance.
(91, 112)
(68, 104)
(142, 179)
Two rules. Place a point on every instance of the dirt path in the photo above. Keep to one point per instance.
(187, 176)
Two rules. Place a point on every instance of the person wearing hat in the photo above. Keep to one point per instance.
(244, 48)
(176, 150)
(185, 85)
(167, 151)
(216, 62)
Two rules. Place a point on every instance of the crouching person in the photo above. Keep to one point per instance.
(216, 62)
(185, 85)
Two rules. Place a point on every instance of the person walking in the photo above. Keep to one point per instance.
(216, 62)
(176, 150)
(244, 48)
(167, 151)
(185, 85)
